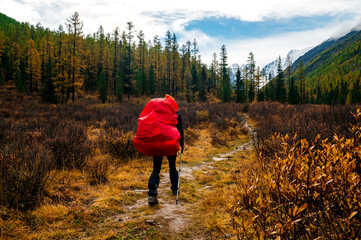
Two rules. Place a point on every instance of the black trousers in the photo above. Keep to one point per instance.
(154, 177)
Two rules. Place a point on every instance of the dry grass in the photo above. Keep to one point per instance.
(93, 202)
(73, 208)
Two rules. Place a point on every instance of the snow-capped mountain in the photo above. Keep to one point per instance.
(292, 56)
(233, 70)
(271, 68)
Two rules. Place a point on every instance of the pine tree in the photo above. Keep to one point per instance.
(101, 68)
(293, 95)
(128, 60)
(75, 27)
(151, 79)
(301, 77)
(318, 94)
(194, 51)
(194, 81)
(225, 79)
(251, 70)
(115, 61)
(257, 82)
(240, 91)
(280, 83)
(156, 53)
(48, 90)
(103, 96)
(214, 75)
(202, 88)
(2, 43)
(175, 64)
(33, 69)
(167, 51)
(183, 59)
(141, 78)
(17, 69)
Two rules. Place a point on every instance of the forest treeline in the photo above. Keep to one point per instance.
(332, 76)
(58, 65)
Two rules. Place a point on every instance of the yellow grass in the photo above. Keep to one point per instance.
(75, 209)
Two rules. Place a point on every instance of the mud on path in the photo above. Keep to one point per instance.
(167, 216)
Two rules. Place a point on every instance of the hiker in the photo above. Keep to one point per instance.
(160, 133)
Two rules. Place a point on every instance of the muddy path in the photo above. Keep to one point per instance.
(168, 216)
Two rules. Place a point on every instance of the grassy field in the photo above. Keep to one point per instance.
(78, 176)
(71, 172)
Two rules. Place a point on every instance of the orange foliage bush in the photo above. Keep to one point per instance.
(309, 190)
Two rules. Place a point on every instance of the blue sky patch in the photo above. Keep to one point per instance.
(234, 28)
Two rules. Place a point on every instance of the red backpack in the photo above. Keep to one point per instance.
(157, 134)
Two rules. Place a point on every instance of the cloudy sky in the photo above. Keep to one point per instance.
(268, 28)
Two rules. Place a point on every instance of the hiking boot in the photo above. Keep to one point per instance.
(152, 200)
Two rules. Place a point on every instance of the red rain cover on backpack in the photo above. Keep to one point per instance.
(157, 134)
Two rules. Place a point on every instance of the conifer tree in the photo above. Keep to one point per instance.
(33, 69)
(142, 86)
(17, 69)
(115, 61)
(156, 53)
(194, 81)
(251, 69)
(318, 94)
(257, 82)
(225, 79)
(129, 69)
(301, 77)
(167, 51)
(75, 27)
(280, 83)
(101, 66)
(214, 75)
(151, 79)
(102, 87)
(183, 69)
(293, 95)
(2, 43)
(195, 50)
(240, 93)
(48, 91)
(175, 66)
(203, 80)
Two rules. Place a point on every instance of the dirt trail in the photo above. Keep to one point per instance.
(177, 217)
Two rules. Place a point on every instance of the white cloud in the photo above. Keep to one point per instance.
(268, 49)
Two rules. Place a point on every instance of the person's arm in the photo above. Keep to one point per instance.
(180, 129)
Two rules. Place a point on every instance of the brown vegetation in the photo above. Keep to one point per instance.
(73, 166)
(302, 188)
